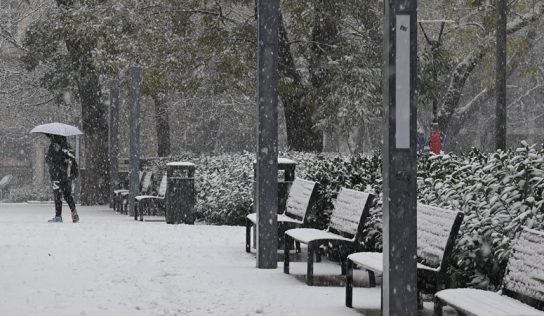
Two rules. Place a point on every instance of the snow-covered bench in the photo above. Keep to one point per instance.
(299, 200)
(152, 204)
(437, 229)
(523, 284)
(4, 184)
(117, 206)
(120, 203)
(351, 209)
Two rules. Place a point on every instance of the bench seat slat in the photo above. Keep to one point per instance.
(281, 218)
(142, 197)
(373, 261)
(305, 235)
(485, 303)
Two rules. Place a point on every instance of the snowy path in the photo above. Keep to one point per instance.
(108, 264)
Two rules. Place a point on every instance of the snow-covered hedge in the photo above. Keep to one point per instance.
(499, 193)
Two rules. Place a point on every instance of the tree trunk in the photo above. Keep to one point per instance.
(301, 134)
(95, 185)
(450, 102)
(162, 125)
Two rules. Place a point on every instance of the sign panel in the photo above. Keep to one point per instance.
(402, 83)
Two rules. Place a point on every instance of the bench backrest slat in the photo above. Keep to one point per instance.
(437, 229)
(162, 185)
(525, 269)
(6, 180)
(351, 209)
(146, 182)
(298, 200)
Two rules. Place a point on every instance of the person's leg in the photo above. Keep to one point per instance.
(57, 193)
(67, 192)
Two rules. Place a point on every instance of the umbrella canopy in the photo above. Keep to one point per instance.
(57, 129)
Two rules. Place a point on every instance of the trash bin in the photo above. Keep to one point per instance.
(180, 193)
(286, 176)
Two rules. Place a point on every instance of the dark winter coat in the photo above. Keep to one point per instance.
(60, 157)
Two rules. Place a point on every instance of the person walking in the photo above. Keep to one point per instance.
(62, 170)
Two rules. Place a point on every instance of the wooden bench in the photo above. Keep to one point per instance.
(5, 184)
(122, 197)
(301, 196)
(344, 232)
(437, 229)
(152, 204)
(118, 192)
(522, 288)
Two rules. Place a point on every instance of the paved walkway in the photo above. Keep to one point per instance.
(108, 264)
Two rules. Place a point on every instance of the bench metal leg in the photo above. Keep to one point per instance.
(349, 283)
(286, 242)
(248, 235)
(318, 254)
(136, 210)
(297, 245)
(438, 305)
(310, 269)
(371, 279)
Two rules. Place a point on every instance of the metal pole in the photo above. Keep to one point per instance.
(267, 134)
(134, 142)
(399, 288)
(500, 135)
(114, 138)
(77, 182)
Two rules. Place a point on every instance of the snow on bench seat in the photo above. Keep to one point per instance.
(485, 303)
(281, 218)
(143, 197)
(305, 235)
(374, 261)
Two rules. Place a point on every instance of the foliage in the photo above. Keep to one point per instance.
(498, 192)
(30, 193)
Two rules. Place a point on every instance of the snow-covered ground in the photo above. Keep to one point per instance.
(108, 264)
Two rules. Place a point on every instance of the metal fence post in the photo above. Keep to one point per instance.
(134, 146)
(399, 217)
(267, 134)
(114, 138)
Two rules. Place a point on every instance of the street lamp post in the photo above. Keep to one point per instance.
(266, 193)
(399, 288)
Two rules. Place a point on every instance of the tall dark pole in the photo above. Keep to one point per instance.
(399, 218)
(267, 134)
(500, 132)
(114, 137)
(134, 134)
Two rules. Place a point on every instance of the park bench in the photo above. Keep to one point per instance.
(145, 186)
(118, 192)
(344, 232)
(437, 229)
(522, 287)
(301, 196)
(152, 204)
(5, 184)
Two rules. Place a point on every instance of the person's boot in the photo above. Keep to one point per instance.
(56, 219)
(75, 216)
